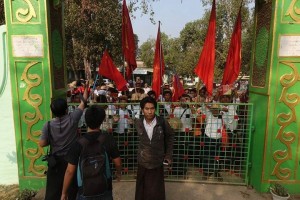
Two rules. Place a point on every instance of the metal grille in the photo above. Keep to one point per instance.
(197, 155)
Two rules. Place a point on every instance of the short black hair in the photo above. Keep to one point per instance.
(59, 107)
(101, 99)
(148, 99)
(94, 116)
(186, 96)
(193, 90)
(151, 92)
(167, 92)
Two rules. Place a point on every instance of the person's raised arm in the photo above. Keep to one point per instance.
(85, 96)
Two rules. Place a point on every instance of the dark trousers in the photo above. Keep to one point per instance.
(55, 179)
(211, 155)
(106, 196)
(127, 145)
(150, 184)
(180, 153)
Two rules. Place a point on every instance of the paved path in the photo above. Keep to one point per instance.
(189, 191)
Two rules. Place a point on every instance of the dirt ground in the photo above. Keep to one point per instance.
(9, 192)
(174, 191)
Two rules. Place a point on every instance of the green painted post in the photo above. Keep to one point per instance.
(37, 71)
(274, 91)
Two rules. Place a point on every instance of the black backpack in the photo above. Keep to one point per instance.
(93, 167)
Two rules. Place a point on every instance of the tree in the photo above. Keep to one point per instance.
(187, 48)
(147, 52)
(2, 14)
(227, 11)
(90, 27)
(170, 48)
(191, 38)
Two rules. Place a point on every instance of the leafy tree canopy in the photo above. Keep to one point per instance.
(2, 17)
(182, 54)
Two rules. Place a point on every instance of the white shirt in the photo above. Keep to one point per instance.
(123, 120)
(168, 108)
(213, 126)
(186, 118)
(230, 118)
(149, 127)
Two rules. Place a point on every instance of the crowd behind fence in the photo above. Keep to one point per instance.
(196, 157)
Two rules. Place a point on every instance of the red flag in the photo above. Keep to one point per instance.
(178, 88)
(109, 70)
(128, 42)
(233, 61)
(205, 66)
(158, 66)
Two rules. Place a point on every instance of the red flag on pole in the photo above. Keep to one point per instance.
(128, 42)
(205, 67)
(233, 61)
(158, 65)
(178, 88)
(109, 70)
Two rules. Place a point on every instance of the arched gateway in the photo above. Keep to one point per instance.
(37, 73)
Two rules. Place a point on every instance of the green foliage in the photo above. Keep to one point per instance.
(182, 54)
(279, 190)
(90, 27)
(2, 16)
(147, 52)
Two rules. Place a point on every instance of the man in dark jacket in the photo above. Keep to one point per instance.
(155, 148)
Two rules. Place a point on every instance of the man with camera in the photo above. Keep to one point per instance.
(59, 133)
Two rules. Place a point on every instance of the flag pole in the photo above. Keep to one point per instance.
(160, 63)
(95, 82)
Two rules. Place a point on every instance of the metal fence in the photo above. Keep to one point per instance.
(199, 155)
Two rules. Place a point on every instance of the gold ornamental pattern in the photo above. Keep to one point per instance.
(293, 11)
(291, 100)
(32, 118)
(24, 15)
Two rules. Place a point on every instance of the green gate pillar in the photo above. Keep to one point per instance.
(275, 92)
(36, 64)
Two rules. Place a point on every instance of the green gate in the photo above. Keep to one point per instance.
(190, 146)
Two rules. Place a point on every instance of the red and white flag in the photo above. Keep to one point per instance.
(233, 61)
(178, 88)
(205, 67)
(158, 66)
(108, 69)
(128, 42)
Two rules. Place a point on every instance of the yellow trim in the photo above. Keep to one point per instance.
(270, 61)
(30, 11)
(292, 11)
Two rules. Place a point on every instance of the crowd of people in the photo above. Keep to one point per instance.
(166, 133)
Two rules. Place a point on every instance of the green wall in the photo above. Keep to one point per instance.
(35, 50)
(274, 91)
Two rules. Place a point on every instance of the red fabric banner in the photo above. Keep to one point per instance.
(158, 66)
(178, 88)
(128, 42)
(233, 61)
(205, 67)
(108, 69)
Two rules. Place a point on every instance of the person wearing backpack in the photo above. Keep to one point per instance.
(89, 158)
(59, 134)
(155, 150)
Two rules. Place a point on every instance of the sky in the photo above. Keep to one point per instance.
(173, 14)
